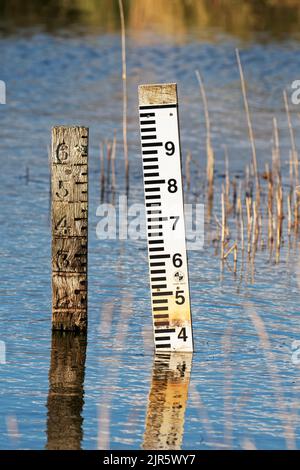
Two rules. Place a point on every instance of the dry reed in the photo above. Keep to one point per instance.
(210, 165)
(250, 128)
(124, 81)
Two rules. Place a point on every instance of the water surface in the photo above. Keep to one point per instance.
(66, 392)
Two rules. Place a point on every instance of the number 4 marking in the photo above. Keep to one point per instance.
(182, 334)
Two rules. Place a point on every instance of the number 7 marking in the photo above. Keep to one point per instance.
(176, 217)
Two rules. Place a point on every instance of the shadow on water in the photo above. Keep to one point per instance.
(167, 401)
(65, 397)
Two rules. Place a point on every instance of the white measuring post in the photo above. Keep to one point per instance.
(165, 224)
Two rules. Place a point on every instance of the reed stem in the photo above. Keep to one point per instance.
(124, 81)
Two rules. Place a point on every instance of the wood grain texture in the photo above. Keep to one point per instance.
(69, 255)
(69, 184)
(69, 219)
(157, 94)
(69, 301)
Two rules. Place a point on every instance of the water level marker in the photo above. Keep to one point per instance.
(160, 144)
(69, 182)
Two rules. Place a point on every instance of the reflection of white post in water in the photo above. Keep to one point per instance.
(2, 92)
(2, 352)
(167, 401)
(65, 398)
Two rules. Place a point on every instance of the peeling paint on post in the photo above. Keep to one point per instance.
(69, 183)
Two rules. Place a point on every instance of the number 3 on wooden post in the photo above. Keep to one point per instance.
(167, 256)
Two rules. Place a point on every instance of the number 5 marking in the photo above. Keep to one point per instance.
(180, 299)
(62, 191)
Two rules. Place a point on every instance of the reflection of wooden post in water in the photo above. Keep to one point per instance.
(65, 398)
(69, 183)
(167, 401)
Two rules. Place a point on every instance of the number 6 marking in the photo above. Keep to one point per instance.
(177, 261)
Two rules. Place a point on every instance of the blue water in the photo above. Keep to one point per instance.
(244, 386)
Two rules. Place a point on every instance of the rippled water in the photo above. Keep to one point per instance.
(244, 387)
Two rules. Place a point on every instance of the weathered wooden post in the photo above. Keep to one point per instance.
(69, 227)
